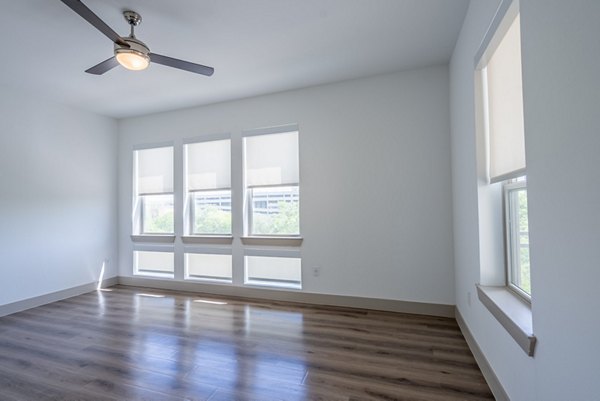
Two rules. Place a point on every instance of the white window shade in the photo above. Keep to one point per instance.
(272, 159)
(505, 108)
(154, 171)
(208, 165)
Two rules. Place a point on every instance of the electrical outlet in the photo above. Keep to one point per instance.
(469, 298)
(316, 271)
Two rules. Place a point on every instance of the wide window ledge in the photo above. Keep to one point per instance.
(272, 241)
(158, 238)
(512, 313)
(207, 239)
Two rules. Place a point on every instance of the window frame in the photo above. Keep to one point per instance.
(508, 12)
(189, 207)
(137, 226)
(512, 233)
(247, 198)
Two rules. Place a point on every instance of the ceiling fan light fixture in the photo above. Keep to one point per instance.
(132, 59)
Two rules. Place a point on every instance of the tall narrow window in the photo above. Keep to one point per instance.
(208, 186)
(503, 95)
(153, 209)
(272, 184)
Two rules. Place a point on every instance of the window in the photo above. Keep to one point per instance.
(503, 98)
(273, 271)
(153, 263)
(153, 200)
(204, 266)
(517, 237)
(208, 187)
(272, 184)
(502, 200)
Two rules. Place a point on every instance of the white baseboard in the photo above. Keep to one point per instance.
(389, 305)
(484, 365)
(40, 300)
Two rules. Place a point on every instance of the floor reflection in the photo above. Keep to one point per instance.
(131, 346)
(244, 348)
(230, 345)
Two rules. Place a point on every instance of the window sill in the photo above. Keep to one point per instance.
(153, 238)
(273, 284)
(154, 274)
(272, 241)
(209, 280)
(511, 312)
(207, 239)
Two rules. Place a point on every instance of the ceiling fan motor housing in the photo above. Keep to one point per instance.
(135, 46)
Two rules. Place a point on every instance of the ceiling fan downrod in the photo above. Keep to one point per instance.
(133, 19)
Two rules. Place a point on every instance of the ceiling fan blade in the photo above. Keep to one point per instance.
(103, 67)
(89, 16)
(182, 65)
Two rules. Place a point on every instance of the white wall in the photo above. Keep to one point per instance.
(57, 196)
(561, 88)
(375, 180)
(561, 97)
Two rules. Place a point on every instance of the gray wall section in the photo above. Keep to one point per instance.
(58, 196)
(561, 90)
(375, 180)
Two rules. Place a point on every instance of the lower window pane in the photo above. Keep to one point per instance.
(157, 214)
(520, 269)
(151, 262)
(275, 211)
(273, 271)
(208, 266)
(211, 213)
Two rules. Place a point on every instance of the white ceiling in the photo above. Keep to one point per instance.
(256, 47)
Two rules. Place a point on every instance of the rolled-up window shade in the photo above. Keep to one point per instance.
(505, 108)
(155, 171)
(208, 165)
(272, 159)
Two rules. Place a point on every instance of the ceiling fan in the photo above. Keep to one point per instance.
(130, 52)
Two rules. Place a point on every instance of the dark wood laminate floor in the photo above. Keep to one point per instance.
(130, 343)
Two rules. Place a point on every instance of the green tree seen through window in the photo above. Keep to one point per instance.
(285, 222)
(210, 219)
